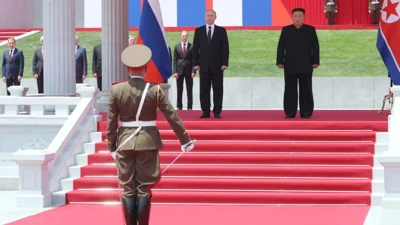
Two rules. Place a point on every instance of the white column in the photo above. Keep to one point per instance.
(390, 160)
(114, 39)
(59, 52)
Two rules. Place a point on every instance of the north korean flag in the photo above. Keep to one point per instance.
(388, 41)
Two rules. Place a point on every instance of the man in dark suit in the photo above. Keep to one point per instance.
(13, 65)
(211, 58)
(37, 66)
(183, 70)
(81, 62)
(96, 65)
(298, 55)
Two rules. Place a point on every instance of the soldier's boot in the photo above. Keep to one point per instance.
(130, 210)
(144, 205)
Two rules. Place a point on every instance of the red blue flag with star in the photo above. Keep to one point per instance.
(388, 41)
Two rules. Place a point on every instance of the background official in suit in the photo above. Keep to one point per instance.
(137, 156)
(81, 62)
(183, 70)
(298, 54)
(211, 57)
(37, 66)
(96, 65)
(12, 65)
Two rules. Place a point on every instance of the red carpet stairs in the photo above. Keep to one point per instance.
(244, 162)
(5, 34)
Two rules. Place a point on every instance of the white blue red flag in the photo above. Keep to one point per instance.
(388, 41)
(152, 34)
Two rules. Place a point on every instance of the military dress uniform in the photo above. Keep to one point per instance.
(330, 9)
(374, 9)
(136, 142)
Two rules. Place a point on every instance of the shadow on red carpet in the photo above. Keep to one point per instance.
(205, 215)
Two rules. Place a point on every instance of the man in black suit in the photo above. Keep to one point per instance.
(37, 66)
(183, 70)
(81, 62)
(96, 65)
(298, 55)
(211, 57)
(13, 65)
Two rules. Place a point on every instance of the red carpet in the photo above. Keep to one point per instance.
(205, 215)
(5, 34)
(254, 157)
(246, 158)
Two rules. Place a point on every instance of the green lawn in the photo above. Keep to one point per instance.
(252, 53)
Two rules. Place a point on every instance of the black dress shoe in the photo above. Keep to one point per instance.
(189, 109)
(204, 115)
(179, 108)
(217, 116)
(289, 117)
(306, 117)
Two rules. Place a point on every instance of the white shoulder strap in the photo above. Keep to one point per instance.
(139, 111)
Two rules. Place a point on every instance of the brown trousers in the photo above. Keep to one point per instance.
(138, 171)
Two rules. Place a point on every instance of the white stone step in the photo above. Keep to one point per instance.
(89, 147)
(382, 137)
(82, 159)
(75, 171)
(58, 198)
(68, 184)
(95, 137)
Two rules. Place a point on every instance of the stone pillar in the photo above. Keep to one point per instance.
(114, 39)
(59, 52)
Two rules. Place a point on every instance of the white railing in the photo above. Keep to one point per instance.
(40, 171)
(390, 160)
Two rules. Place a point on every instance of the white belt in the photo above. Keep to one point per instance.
(138, 124)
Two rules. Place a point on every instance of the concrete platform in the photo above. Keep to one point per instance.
(267, 93)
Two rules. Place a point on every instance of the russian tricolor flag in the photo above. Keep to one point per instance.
(152, 34)
(388, 43)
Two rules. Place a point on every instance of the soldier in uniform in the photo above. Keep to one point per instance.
(374, 9)
(135, 144)
(330, 10)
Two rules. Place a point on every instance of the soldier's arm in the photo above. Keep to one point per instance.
(112, 123)
(172, 117)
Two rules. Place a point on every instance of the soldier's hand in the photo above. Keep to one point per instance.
(175, 75)
(193, 75)
(197, 67)
(280, 66)
(315, 66)
(188, 146)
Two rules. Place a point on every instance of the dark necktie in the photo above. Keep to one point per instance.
(184, 49)
(209, 34)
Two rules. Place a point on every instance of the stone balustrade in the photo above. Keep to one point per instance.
(42, 162)
(390, 160)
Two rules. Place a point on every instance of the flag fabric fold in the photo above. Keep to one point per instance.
(388, 37)
(152, 34)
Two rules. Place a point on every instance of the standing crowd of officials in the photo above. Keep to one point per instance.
(297, 55)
